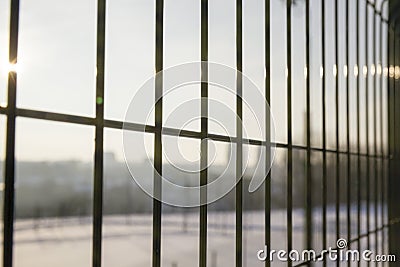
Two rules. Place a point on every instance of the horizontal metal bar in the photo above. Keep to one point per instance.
(43, 115)
(377, 12)
(131, 126)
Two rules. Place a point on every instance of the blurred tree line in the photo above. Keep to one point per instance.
(60, 189)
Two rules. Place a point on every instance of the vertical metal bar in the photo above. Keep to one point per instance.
(158, 136)
(8, 212)
(239, 134)
(374, 78)
(395, 167)
(380, 80)
(308, 186)
(396, 133)
(394, 119)
(393, 229)
(367, 123)
(98, 157)
(267, 195)
(348, 125)
(324, 169)
(389, 133)
(359, 69)
(382, 138)
(204, 132)
(391, 126)
(396, 122)
(289, 127)
(337, 121)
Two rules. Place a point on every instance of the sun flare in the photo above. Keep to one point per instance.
(7, 68)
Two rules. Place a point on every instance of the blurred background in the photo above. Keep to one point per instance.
(54, 160)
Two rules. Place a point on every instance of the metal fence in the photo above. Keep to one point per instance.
(366, 171)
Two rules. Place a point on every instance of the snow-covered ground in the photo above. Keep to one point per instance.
(127, 240)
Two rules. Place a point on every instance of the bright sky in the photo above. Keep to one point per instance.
(57, 64)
